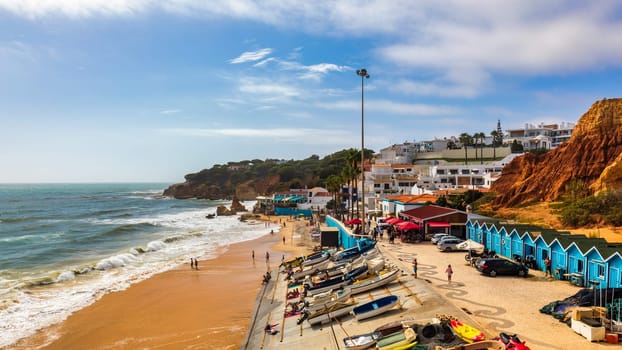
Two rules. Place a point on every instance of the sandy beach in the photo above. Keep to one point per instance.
(208, 308)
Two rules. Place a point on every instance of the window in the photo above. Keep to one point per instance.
(579, 266)
(601, 271)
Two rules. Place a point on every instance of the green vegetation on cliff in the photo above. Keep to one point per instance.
(250, 178)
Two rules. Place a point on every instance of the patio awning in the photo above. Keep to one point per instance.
(405, 226)
(438, 224)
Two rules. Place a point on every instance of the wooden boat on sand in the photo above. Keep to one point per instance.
(361, 341)
(382, 279)
(404, 337)
(375, 307)
(328, 313)
(329, 300)
(466, 332)
(480, 345)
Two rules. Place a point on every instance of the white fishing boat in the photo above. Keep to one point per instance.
(384, 278)
(375, 307)
(325, 315)
(329, 300)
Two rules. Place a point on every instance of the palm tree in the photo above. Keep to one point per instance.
(481, 137)
(495, 138)
(333, 184)
(465, 139)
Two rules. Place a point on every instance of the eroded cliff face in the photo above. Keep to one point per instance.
(593, 156)
(244, 191)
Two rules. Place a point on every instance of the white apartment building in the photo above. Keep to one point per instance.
(547, 136)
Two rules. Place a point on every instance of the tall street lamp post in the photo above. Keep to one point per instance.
(363, 74)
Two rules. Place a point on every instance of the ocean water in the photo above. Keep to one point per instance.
(63, 246)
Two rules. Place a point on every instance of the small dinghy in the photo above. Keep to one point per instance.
(375, 307)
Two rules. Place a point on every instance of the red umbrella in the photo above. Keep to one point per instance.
(407, 225)
(355, 221)
(393, 221)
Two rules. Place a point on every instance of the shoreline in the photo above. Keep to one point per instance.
(179, 308)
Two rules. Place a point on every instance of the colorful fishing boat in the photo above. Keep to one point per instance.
(480, 345)
(466, 332)
(375, 307)
(405, 338)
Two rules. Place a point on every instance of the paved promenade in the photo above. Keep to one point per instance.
(508, 304)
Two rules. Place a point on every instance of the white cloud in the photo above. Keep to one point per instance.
(170, 111)
(250, 56)
(260, 87)
(434, 89)
(287, 135)
(76, 9)
(390, 107)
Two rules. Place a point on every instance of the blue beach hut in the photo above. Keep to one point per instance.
(576, 264)
(596, 268)
(614, 270)
(516, 244)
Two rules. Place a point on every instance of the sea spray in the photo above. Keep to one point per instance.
(78, 242)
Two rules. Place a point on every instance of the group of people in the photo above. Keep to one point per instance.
(194, 263)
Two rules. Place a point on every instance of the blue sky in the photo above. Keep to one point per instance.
(146, 90)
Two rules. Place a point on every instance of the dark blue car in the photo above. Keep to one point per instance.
(500, 266)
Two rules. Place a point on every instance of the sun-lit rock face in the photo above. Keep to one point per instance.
(593, 156)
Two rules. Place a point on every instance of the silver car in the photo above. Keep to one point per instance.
(437, 237)
(449, 244)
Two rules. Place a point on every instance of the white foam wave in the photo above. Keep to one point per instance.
(115, 261)
(34, 309)
(155, 246)
(66, 276)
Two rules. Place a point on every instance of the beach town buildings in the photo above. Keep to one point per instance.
(547, 136)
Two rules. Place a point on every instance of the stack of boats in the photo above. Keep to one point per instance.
(328, 280)
(412, 334)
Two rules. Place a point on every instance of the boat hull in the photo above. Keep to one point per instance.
(376, 282)
(375, 307)
(337, 310)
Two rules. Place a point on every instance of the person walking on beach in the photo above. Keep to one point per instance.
(267, 257)
(253, 254)
(196, 263)
(449, 272)
(415, 267)
(547, 267)
(283, 240)
(192, 263)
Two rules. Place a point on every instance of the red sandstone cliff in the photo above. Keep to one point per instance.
(593, 156)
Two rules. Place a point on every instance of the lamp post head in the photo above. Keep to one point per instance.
(362, 73)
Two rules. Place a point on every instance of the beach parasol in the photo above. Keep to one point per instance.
(407, 225)
(355, 221)
(393, 221)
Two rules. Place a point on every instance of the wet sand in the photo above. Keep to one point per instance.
(209, 308)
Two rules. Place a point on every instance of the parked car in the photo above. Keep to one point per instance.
(500, 266)
(437, 237)
(446, 237)
(449, 244)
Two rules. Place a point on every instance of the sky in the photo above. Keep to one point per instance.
(151, 90)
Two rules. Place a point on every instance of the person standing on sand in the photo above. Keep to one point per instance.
(449, 272)
(267, 257)
(547, 267)
(196, 263)
(192, 263)
(415, 267)
(283, 240)
(253, 254)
